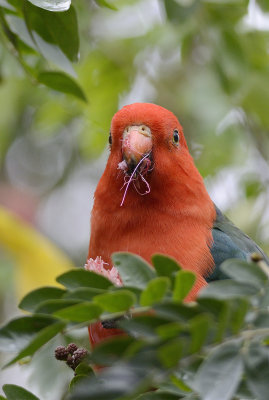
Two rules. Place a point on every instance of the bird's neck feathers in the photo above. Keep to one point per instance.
(175, 218)
(176, 187)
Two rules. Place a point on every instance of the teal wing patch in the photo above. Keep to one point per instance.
(230, 242)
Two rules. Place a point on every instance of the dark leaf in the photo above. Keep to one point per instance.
(155, 291)
(261, 320)
(165, 266)
(16, 334)
(115, 382)
(14, 392)
(121, 300)
(42, 337)
(7, 5)
(61, 82)
(51, 306)
(143, 327)
(238, 311)
(199, 328)
(220, 311)
(85, 294)
(170, 330)
(242, 271)
(179, 13)
(55, 28)
(170, 353)
(257, 370)
(176, 311)
(184, 281)
(80, 278)
(228, 289)
(31, 301)
(81, 312)
(222, 368)
(133, 270)
(159, 395)
(84, 369)
(264, 5)
(110, 350)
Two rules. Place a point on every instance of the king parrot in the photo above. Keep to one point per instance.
(152, 199)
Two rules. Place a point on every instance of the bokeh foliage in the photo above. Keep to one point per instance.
(215, 348)
(65, 69)
(207, 61)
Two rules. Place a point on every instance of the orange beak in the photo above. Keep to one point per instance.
(137, 142)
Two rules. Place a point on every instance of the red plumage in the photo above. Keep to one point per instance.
(175, 218)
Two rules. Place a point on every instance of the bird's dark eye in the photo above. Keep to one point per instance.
(176, 137)
(110, 139)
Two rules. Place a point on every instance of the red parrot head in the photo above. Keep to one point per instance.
(140, 127)
(145, 139)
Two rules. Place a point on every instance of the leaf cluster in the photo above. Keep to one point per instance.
(216, 347)
(46, 43)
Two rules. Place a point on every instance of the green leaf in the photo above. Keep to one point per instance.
(261, 320)
(159, 395)
(176, 311)
(178, 385)
(133, 270)
(257, 371)
(155, 291)
(165, 266)
(42, 337)
(104, 3)
(227, 289)
(80, 312)
(52, 5)
(59, 29)
(109, 351)
(51, 306)
(264, 5)
(242, 271)
(238, 311)
(61, 82)
(31, 301)
(84, 369)
(143, 327)
(170, 353)
(76, 380)
(170, 330)
(220, 310)
(6, 4)
(184, 281)
(41, 42)
(222, 368)
(80, 278)
(199, 328)
(179, 13)
(14, 392)
(114, 383)
(16, 334)
(18, 26)
(120, 300)
(83, 294)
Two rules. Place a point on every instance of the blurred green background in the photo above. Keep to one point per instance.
(205, 60)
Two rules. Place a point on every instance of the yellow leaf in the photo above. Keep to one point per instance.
(38, 260)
